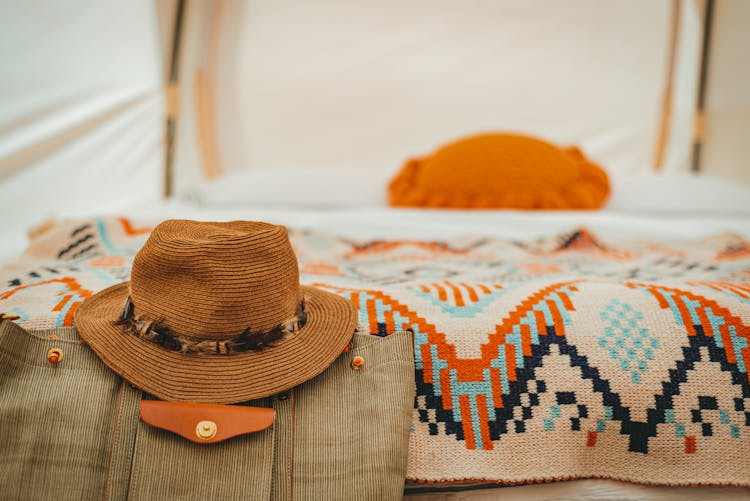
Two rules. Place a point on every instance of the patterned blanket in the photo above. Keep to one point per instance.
(566, 357)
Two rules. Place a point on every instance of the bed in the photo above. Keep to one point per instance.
(595, 355)
(608, 345)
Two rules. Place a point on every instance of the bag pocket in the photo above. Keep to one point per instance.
(168, 466)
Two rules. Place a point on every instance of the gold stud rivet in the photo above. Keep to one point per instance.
(55, 355)
(358, 363)
(206, 430)
(51, 336)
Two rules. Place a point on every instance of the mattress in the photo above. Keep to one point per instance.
(391, 242)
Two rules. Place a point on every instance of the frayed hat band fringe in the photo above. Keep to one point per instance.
(154, 331)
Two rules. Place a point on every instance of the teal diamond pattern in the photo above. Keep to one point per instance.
(627, 341)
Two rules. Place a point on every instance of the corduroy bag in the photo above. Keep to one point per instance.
(70, 430)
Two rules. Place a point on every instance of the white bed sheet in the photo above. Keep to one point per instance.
(352, 203)
(384, 222)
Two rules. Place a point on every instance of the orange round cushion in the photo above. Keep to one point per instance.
(501, 171)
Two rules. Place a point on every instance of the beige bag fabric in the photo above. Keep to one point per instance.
(70, 430)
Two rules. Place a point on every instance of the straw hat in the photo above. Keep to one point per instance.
(214, 312)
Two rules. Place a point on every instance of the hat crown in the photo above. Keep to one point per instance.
(212, 280)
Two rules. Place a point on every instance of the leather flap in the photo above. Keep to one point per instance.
(205, 423)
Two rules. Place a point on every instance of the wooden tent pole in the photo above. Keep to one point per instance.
(700, 121)
(205, 109)
(666, 113)
(173, 97)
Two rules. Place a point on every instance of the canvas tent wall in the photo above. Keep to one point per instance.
(81, 110)
(362, 86)
(727, 108)
(273, 84)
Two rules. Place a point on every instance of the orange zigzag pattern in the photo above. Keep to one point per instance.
(461, 293)
(131, 230)
(469, 369)
(709, 329)
(71, 285)
(741, 289)
(382, 247)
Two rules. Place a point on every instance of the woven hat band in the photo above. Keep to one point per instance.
(248, 340)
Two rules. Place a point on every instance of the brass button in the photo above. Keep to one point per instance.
(55, 355)
(357, 363)
(206, 430)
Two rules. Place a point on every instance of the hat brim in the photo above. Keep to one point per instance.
(226, 379)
